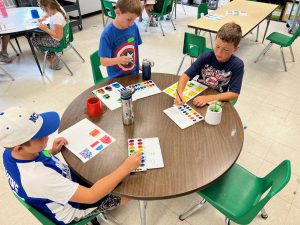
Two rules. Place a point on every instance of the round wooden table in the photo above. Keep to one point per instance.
(193, 157)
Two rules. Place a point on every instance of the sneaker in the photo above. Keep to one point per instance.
(4, 58)
(56, 65)
(162, 18)
(140, 19)
(168, 17)
(152, 24)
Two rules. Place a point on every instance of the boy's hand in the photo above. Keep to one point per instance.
(177, 100)
(133, 161)
(125, 60)
(201, 101)
(57, 145)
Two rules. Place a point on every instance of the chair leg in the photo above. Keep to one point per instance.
(106, 21)
(65, 64)
(263, 51)
(7, 74)
(159, 23)
(142, 212)
(282, 57)
(77, 52)
(263, 213)
(180, 65)
(18, 44)
(212, 46)
(148, 23)
(13, 47)
(183, 8)
(192, 210)
(227, 221)
(172, 23)
(257, 33)
(44, 63)
(291, 51)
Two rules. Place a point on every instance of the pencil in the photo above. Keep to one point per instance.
(179, 96)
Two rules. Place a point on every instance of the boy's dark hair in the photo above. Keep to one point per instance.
(130, 6)
(231, 33)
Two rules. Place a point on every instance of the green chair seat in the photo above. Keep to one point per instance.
(279, 39)
(240, 195)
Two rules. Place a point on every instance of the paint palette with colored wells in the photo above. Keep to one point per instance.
(151, 152)
(110, 95)
(192, 89)
(86, 139)
(183, 116)
(144, 89)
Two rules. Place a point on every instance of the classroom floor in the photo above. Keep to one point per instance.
(269, 105)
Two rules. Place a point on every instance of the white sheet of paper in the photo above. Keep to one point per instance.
(86, 139)
(144, 89)
(183, 116)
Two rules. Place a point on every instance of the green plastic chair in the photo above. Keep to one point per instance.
(240, 195)
(108, 10)
(65, 42)
(45, 220)
(95, 63)
(193, 46)
(202, 10)
(167, 9)
(283, 41)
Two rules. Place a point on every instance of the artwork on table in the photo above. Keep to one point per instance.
(151, 152)
(86, 140)
(144, 89)
(184, 116)
(236, 12)
(192, 89)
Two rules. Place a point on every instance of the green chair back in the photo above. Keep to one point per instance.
(45, 220)
(295, 35)
(240, 195)
(64, 42)
(108, 9)
(202, 8)
(193, 45)
(167, 8)
(95, 63)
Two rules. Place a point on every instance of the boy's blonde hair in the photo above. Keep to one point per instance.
(129, 6)
(230, 33)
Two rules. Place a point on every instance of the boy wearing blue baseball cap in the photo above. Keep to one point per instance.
(42, 180)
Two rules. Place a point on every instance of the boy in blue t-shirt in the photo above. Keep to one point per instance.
(42, 180)
(120, 40)
(219, 70)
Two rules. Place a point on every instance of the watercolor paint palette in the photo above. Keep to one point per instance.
(110, 95)
(144, 89)
(86, 139)
(192, 89)
(151, 152)
(184, 116)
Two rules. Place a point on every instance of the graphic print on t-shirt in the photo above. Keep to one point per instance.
(127, 49)
(214, 78)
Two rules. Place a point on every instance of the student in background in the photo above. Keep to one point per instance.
(220, 70)
(37, 176)
(157, 7)
(53, 35)
(120, 40)
(4, 57)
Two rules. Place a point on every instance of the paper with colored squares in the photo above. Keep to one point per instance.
(151, 152)
(86, 139)
(192, 89)
(184, 116)
(110, 95)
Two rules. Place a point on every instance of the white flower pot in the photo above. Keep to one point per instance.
(213, 118)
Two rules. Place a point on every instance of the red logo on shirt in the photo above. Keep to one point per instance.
(127, 49)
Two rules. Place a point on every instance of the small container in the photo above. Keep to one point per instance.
(3, 9)
(93, 107)
(127, 106)
(213, 117)
(34, 14)
(146, 69)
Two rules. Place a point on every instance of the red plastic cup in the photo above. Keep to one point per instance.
(93, 107)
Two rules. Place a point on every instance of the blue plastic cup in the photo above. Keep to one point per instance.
(35, 14)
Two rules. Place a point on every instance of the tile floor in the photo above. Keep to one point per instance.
(269, 105)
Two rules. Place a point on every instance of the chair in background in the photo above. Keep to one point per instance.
(46, 221)
(167, 9)
(240, 195)
(202, 11)
(193, 46)
(95, 63)
(108, 10)
(64, 43)
(283, 41)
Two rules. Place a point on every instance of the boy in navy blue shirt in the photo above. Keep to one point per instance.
(120, 40)
(219, 70)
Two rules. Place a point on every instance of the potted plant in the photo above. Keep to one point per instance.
(214, 113)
